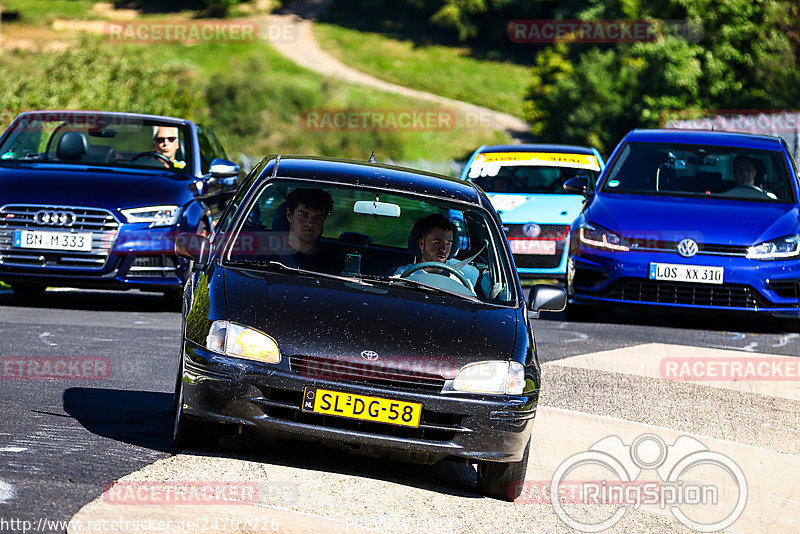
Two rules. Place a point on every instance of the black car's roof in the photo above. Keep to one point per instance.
(569, 149)
(387, 177)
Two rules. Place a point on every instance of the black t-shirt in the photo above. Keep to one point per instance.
(323, 261)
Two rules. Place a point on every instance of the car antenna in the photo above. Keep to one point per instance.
(372, 157)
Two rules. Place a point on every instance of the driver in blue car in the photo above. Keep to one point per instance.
(166, 143)
(436, 234)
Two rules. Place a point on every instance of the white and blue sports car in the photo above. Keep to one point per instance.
(524, 184)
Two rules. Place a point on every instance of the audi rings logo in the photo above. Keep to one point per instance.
(369, 355)
(687, 247)
(54, 218)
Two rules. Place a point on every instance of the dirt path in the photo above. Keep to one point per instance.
(303, 49)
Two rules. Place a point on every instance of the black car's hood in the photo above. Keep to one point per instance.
(407, 329)
(84, 185)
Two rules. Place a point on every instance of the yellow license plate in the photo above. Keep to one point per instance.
(362, 407)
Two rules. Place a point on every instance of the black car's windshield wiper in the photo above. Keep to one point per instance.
(397, 280)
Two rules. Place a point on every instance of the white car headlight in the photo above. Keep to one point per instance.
(491, 377)
(777, 249)
(597, 237)
(239, 341)
(155, 215)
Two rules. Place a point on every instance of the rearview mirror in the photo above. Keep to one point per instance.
(194, 247)
(376, 209)
(221, 168)
(579, 185)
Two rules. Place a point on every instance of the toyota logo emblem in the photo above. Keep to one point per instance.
(687, 248)
(54, 218)
(369, 355)
(532, 230)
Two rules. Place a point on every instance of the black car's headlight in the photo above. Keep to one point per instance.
(240, 341)
(155, 215)
(499, 377)
(777, 249)
(599, 237)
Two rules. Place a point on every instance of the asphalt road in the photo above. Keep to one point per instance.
(63, 440)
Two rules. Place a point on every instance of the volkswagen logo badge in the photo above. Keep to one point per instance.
(532, 230)
(54, 218)
(687, 248)
(369, 355)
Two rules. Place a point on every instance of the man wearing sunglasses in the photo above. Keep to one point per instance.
(165, 142)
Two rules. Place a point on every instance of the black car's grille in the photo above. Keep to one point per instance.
(546, 231)
(434, 426)
(722, 295)
(100, 223)
(159, 266)
(371, 373)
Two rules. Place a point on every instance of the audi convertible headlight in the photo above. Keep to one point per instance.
(777, 249)
(155, 215)
(491, 377)
(598, 237)
(240, 341)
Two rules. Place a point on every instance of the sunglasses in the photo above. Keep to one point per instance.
(162, 139)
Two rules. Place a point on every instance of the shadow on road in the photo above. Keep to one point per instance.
(141, 418)
(74, 299)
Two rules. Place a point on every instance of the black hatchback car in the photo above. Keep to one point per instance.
(364, 347)
(95, 199)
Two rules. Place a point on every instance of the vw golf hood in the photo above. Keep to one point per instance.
(398, 327)
(725, 222)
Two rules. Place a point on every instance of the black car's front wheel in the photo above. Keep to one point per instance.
(188, 432)
(503, 481)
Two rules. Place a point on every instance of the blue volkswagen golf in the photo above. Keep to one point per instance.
(688, 219)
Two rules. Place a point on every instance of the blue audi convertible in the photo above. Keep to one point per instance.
(524, 184)
(690, 219)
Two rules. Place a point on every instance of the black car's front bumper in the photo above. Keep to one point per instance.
(473, 427)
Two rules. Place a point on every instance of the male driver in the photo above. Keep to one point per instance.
(165, 142)
(306, 211)
(744, 170)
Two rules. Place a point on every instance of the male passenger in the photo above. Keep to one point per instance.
(166, 143)
(306, 211)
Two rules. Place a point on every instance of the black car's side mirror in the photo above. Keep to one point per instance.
(578, 185)
(546, 298)
(194, 247)
(221, 168)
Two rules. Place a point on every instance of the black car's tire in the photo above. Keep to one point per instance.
(503, 481)
(187, 431)
(28, 290)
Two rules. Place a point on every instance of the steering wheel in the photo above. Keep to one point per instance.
(154, 155)
(449, 268)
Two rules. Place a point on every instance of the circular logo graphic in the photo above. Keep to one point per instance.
(532, 230)
(369, 355)
(687, 248)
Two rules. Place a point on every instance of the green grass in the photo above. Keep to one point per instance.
(44, 12)
(443, 70)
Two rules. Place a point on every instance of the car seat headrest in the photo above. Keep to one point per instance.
(72, 146)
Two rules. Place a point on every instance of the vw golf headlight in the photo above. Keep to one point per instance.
(491, 377)
(777, 249)
(155, 215)
(598, 237)
(240, 341)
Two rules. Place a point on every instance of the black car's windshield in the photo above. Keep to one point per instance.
(374, 237)
(87, 138)
(705, 171)
(531, 172)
